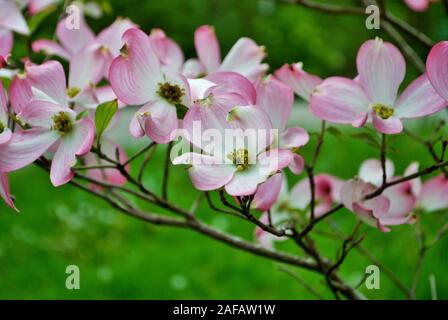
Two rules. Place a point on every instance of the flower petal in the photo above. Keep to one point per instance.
(207, 172)
(50, 48)
(20, 93)
(48, 79)
(419, 99)
(207, 48)
(381, 69)
(4, 190)
(437, 68)
(233, 83)
(339, 100)
(434, 194)
(402, 202)
(301, 82)
(168, 51)
(40, 113)
(297, 164)
(268, 192)
(135, 75)
(294, 138)
(6, 42)
(161, 123)
(11, 18)
(245, 183)
(276, 99)
(417, 5)
(25, 147)
(245, 58)
(112, 36)
(193, 68)
(371, 171)
(77, 143)
(74, 39)
(393, 125)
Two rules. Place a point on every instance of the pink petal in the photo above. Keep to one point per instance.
(112, 37)
(434, 194)
(206, 172)
(417, 5)
(135, 75)
(339, 100)
(36, 6)
(269, 162)
(371, 171)
(4, 190)
(245, 183)
(73, 40)
(76, 143)
(381, 69)
(416, 183)
(294, 138)
(402, 202)
(393, 125)
(245, 58)
(301, 82)
(6, 42)
(437, 68)
(20, 93)
(161, 123)
(49, 79)
(419, 99)
(193, 68)
(89, 66)
(276, 99)
(50, 48)
(207, 48)
(297, 164)
(25, 147)
(300, 196)
(268, 192)
(168, 51)
(11, 18)
(230, 83)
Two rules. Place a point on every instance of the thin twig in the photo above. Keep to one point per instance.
(302, 282)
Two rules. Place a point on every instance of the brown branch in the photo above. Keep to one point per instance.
(166, 172)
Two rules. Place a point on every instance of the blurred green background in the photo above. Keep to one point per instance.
(121, 258)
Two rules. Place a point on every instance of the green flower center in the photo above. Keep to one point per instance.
(240, 159)
(2, 127)
(384, 112)
(62, 123)
(171, 92)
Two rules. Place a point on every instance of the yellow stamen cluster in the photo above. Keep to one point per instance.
(384, 112)
(240, 159)
(73, 92)
(171, 92)
(62, 123)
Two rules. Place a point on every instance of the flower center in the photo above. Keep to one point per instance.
(62, 123)
(384, 112)
(240, 159)
(73, 92)
(171, 92)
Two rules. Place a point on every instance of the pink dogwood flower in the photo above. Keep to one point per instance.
(245, 57)
(11, 19)
(137, 78)
(240, 161)
(54, 126)
(167, 50)
(437, 68)
(302, 82)
(276, 100)
(419, 5)
(373, 94)
(393, 207)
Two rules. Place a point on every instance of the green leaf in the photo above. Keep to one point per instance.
(335, 132)
(181, 110)
(368, 138)
(35, 21)
(82, 114)
(103, 115)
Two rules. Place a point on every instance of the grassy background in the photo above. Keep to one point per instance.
(122, 258)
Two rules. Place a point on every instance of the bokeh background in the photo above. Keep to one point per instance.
(121, 258)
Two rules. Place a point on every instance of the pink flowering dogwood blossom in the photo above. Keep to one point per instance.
(239, 164)
(302, 82)
(372, 96)
(419, 5)
(393, 207)
(11, 20)
(167, 50)
(245, 57)
(54, 126)
(437, 68)
(137, 78)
